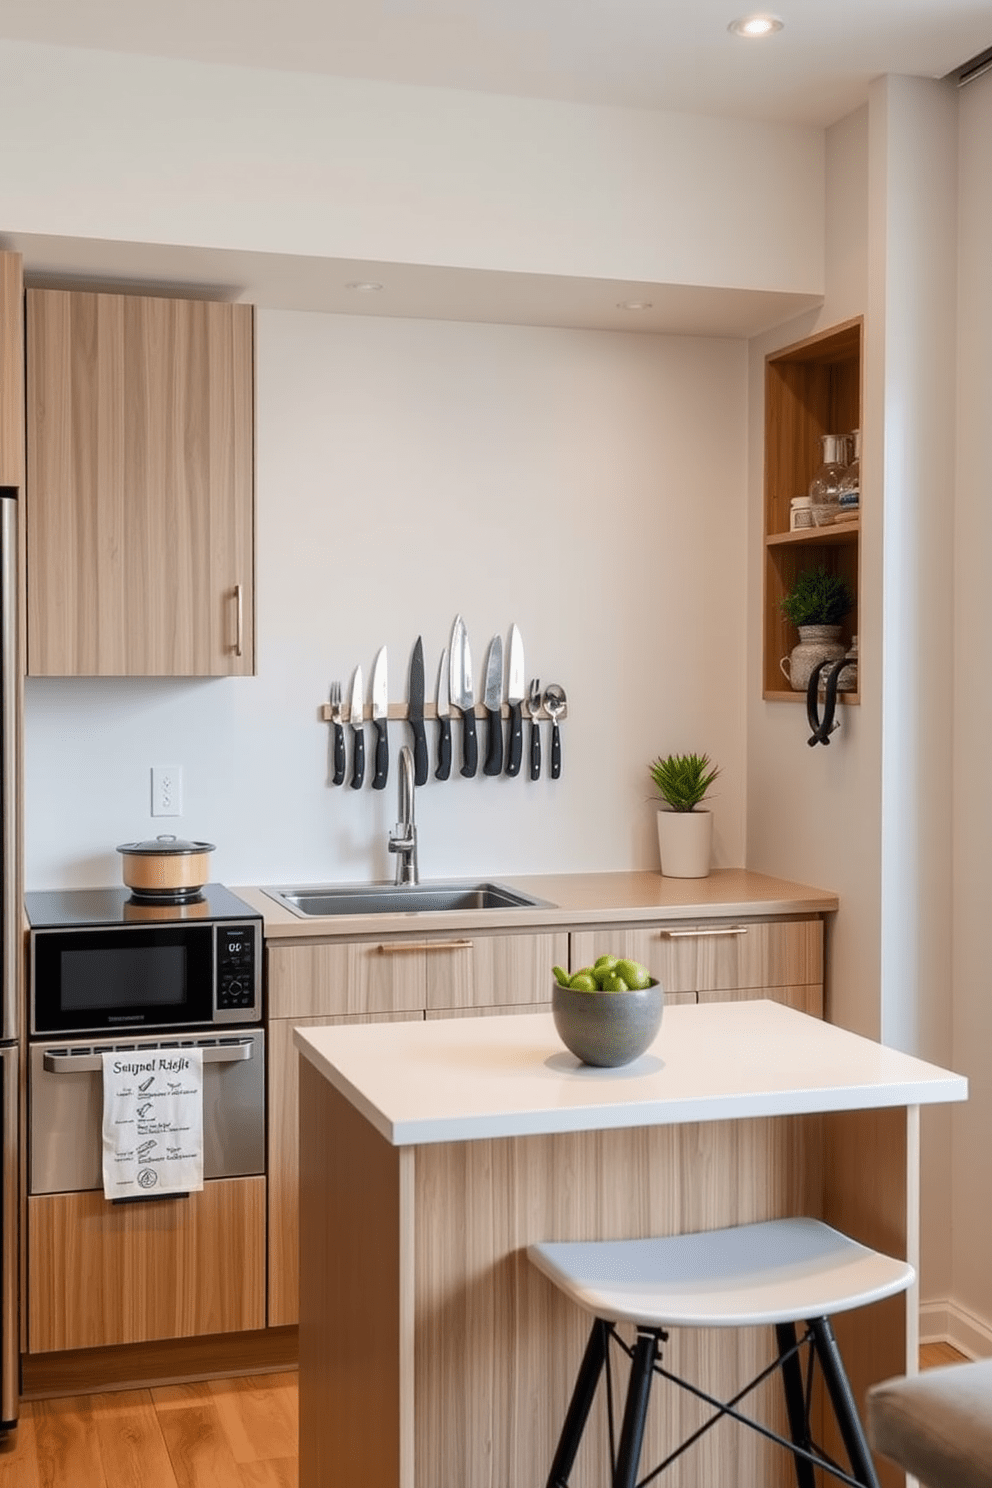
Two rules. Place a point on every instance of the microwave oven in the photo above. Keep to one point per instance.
(100, 960)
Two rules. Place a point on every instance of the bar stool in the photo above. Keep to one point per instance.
(778, 1272)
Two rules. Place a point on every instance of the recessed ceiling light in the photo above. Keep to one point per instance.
(756, 25)
(634, 304)
(364, 286)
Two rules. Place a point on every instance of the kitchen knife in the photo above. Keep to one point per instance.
(515, 696)
(358, 728)
(415, 713)
(444, 720)
(463, 694)
(339, 763)
(494, 703)
(380, 715)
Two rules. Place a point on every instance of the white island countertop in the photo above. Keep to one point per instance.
(462, 1079)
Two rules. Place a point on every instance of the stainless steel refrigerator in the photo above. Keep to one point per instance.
(10, 920)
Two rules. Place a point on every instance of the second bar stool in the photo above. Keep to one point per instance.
(779, 1272)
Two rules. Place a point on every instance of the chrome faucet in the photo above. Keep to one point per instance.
(403, 837)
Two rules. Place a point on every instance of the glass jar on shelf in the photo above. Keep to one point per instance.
(850, 481)
(825, 487)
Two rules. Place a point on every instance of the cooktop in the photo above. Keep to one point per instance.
(118, 906)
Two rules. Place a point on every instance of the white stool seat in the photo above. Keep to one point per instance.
(782, 1270)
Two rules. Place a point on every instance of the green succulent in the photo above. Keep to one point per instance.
(684, 779)
(817, 598)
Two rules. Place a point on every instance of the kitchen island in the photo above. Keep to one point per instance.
(432, 1355)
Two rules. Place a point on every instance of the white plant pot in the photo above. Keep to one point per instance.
(684, 842)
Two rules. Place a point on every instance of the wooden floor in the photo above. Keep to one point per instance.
(231, 1433)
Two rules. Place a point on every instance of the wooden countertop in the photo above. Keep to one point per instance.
(572, 899)
(463, 1079)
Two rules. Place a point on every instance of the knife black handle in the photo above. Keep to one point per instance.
(358, 758)
(443, 749)
(494, 744)
(381, 754)
(470, 747)
(339, 764)
(421, 767)
(516, 741)
(555, 750)
(535, 749)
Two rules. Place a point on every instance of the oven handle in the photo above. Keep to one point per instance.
(57, 1063)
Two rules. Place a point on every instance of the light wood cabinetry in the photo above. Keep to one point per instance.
(140, 486)
(715, 961)
(284, 1160)
(370, 981)
(811, 388)
(101, 1273)
(11, 371)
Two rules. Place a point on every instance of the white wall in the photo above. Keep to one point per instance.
(813, 814)
(589, 486)
(150, 150)
(971, 1220)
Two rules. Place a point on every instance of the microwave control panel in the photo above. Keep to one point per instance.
(239, 973)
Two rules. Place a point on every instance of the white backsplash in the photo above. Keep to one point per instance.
(589, 486)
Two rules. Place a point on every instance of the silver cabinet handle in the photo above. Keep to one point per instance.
(699, 934)
(389, 948)
(240, 620)
(57, 1062)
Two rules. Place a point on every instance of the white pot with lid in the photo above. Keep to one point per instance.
(166, 867)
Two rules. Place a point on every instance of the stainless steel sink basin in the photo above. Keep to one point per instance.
(386, 898)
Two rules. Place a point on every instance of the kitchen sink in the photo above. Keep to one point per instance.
(387, 898)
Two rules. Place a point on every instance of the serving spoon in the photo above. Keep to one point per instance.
(554, 703)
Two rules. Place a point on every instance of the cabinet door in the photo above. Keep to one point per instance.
(712, 956)
(11, 371)
(101, 1273)
(140, 486)
(357, 977)
(284, 1160)
(500, 971)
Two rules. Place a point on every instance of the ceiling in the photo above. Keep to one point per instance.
(654, 54)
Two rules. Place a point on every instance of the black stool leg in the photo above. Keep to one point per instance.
(795, 1402)
(636, 1409)
(579, 1406)
(842, 1398)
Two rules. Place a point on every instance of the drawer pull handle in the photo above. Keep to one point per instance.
(239, 611)
(388, 948)
(699, 934)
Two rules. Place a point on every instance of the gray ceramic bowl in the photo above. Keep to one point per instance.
(607, 1028)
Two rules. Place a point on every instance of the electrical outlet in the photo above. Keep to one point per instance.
(167, 790)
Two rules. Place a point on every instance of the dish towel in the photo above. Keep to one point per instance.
(152, 1122)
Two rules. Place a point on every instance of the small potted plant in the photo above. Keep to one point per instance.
(685, 833)
(816, 604)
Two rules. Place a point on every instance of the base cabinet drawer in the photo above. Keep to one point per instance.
(715, 956)
(102, 1273)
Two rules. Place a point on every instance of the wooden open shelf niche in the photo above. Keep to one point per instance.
(811, 388)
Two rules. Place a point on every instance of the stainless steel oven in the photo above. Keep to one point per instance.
(65, 1106)
(102, 961)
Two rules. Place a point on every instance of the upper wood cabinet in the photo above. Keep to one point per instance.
(11, 371)
(812, 388)
(140, 486)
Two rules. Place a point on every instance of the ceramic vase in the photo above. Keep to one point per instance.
(684, 842)
(816, 643)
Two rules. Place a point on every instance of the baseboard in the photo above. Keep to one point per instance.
(946, 1321)
(167, 1362)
